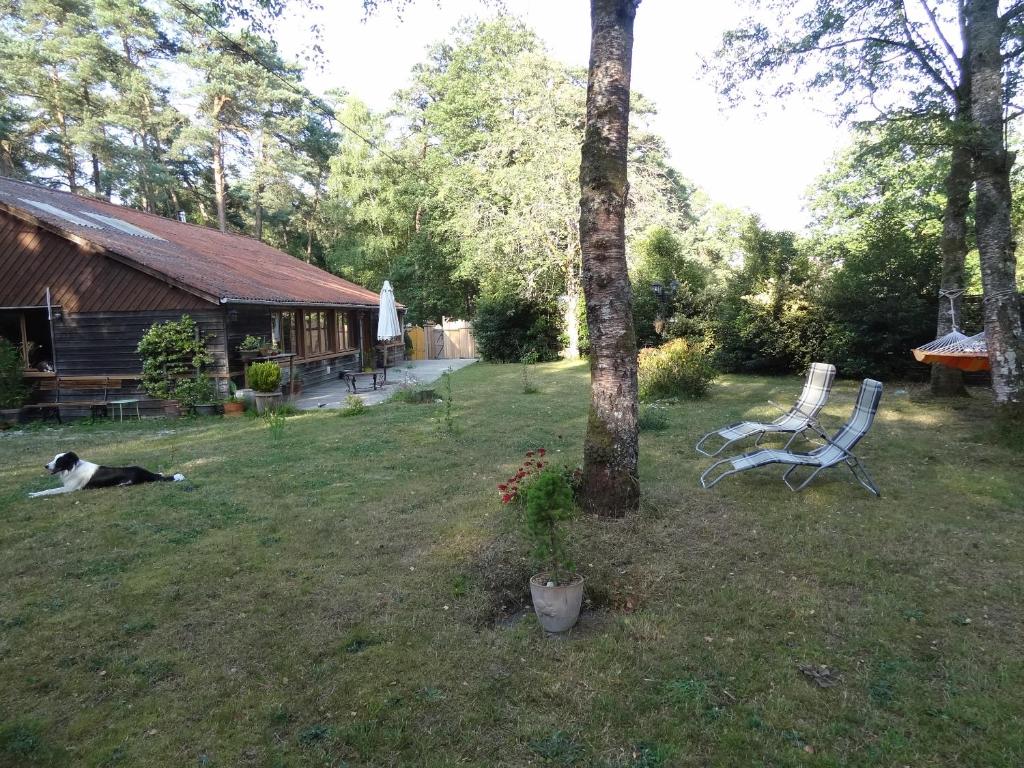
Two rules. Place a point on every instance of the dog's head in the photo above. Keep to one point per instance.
(62, 462)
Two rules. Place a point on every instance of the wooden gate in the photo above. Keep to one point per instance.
(451, 340)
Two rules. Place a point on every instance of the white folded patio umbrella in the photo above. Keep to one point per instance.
(388, 326)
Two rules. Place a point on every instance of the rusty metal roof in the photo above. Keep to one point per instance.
(227, 268)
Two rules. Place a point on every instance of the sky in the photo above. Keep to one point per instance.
(762, 159)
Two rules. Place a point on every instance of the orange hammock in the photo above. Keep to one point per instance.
(968, 353)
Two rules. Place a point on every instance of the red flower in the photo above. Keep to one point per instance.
(502, 486)
(541, 451)
(540, 464)
(506, 498)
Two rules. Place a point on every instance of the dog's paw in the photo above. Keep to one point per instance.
(33, 495)
(178, 477)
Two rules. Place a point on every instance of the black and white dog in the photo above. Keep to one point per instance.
(77, 474)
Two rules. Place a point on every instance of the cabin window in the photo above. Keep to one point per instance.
(29, 331)
(348, 335)
(317, 337)
(283, 331)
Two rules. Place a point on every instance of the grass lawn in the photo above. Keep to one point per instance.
(350, 592)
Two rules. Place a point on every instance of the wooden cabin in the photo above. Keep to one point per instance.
(110, 272)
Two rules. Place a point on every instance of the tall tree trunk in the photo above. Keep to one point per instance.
(219, 185)
(946, 381)
(97, 179)
(611, 448)
(258, 213)
(992, 164)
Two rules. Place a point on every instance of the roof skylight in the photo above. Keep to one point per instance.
(61, 214)
(122, 225)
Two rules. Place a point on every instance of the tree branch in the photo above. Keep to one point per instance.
(916, 49)
(942, 38)
(1012, 13)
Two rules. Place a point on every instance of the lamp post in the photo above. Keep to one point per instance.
(664, 294)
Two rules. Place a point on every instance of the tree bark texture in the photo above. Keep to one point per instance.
(611, 447)
(946, 381)
(219, 183)
(992, 164)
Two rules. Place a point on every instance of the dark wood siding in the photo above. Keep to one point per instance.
(31, 259)
(101, 343)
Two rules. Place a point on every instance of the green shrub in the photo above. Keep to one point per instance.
(354, 406)
(676, 369)
(507, 328)
(548, 504)
(12, 391)
(197, 391)
(173, 353)
(652, 418)
(265, 376)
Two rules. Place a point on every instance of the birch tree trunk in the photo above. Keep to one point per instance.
(992, 164)
(946, 381)
(611, 447)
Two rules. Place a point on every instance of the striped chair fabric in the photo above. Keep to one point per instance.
(837, 449)
(802, 416)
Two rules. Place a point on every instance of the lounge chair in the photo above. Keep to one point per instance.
(801, 417)
(836, 450)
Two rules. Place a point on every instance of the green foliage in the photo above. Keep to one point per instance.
(12, 390)
(195, 391)
(549, 503)
(252, 344)
(173, 354)
(759, 324)
(447, 402)
(264, 376)
(528, 361)
(354, 406)
(652, 418)
(275, 421)
(507, 328)
(678, 368)
(660, 259)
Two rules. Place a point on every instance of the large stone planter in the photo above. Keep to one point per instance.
(558, 607)
(267, 401)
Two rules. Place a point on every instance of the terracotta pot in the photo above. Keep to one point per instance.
(232, 408)
(557, 607)
(172, 409)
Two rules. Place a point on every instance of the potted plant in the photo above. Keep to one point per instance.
(557, 591)
(12, 390)
(173, 354)
(265, 379)
(251, 348)
(197, 396)
(233, 406)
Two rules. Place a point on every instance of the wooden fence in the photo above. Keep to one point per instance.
(451, 340)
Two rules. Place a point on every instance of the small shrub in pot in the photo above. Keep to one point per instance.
(558, 591)
(265, 379)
